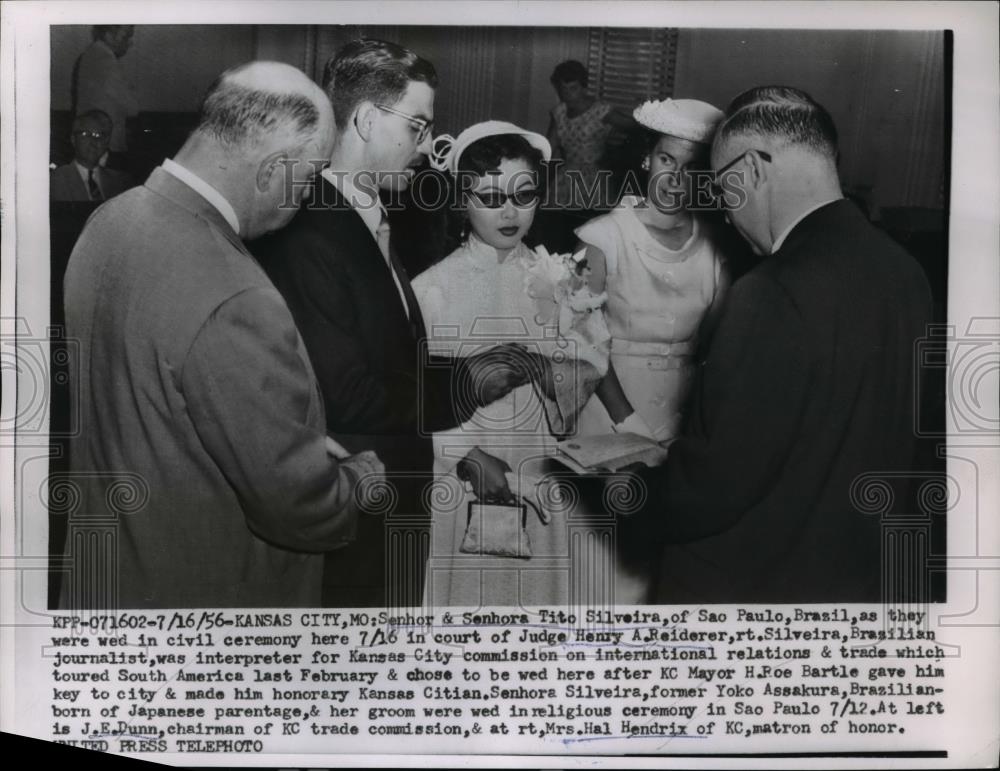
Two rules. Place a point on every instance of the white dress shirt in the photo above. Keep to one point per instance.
(205, 190)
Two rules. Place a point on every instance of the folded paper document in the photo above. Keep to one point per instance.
(609, 452)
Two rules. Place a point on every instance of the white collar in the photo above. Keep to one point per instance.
(484, 256)
(360, 199)
(781, 239)
(205, 190)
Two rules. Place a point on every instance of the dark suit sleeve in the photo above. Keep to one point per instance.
(745, 416)
(248, 393)
(448, 396)
(324, 301)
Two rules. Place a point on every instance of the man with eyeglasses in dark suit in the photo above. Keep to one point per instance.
(808, 386)
(336, 266)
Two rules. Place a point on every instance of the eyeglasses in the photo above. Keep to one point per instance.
(421, 125)
(90, 134)
(522, 199)
(716, 186)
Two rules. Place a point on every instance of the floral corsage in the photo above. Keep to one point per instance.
(558, 285)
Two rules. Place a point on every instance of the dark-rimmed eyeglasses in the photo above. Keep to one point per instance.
(717, 190)
(522, 199)
(84, 134)
(421, 125)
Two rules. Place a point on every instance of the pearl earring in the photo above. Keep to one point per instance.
(645, 163)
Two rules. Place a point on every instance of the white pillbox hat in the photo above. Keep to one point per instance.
(685, 118)
(446, 150)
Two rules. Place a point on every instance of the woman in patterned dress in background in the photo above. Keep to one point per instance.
(581, 127)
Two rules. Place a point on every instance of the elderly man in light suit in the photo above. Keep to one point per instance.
(194, 383)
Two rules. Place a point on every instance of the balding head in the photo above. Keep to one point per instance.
(265, 132)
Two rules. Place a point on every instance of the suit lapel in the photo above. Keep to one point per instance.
(81, 186)
(348, 228)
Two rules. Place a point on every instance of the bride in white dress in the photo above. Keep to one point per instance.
(494, 289)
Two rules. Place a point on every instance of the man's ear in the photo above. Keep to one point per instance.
(269, 166)
(759, 171)
(364, 119)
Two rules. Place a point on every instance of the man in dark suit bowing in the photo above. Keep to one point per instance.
(807, 388)
(351, 299)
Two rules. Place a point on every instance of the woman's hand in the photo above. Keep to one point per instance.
(486, 475)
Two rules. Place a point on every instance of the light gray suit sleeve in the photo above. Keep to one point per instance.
(254, 405)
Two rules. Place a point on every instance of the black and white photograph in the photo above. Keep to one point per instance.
(502, 380)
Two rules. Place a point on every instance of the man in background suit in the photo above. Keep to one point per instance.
(100, 83)
(808, 384)
(84, 179)
(351, 298)
(196, 394)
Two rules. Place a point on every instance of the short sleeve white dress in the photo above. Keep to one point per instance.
(657, 299)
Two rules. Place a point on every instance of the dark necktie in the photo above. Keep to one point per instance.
(401, 279)
(93, 188)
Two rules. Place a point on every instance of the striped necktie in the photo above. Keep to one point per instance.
(93, 188)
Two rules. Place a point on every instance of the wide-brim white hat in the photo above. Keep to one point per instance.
(446, 149)
(685, 118)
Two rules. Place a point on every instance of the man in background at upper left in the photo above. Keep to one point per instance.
(100, 83)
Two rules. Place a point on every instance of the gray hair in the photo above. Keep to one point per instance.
(239, 115)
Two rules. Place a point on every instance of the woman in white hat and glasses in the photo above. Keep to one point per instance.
(664, 277)
(511, 546)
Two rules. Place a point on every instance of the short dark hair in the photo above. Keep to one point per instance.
(784, 112)
(372, 71)
(570, 71)
(94, 114)
(237, 115)
(484, 155)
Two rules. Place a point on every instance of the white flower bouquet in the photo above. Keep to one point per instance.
(558, 284)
